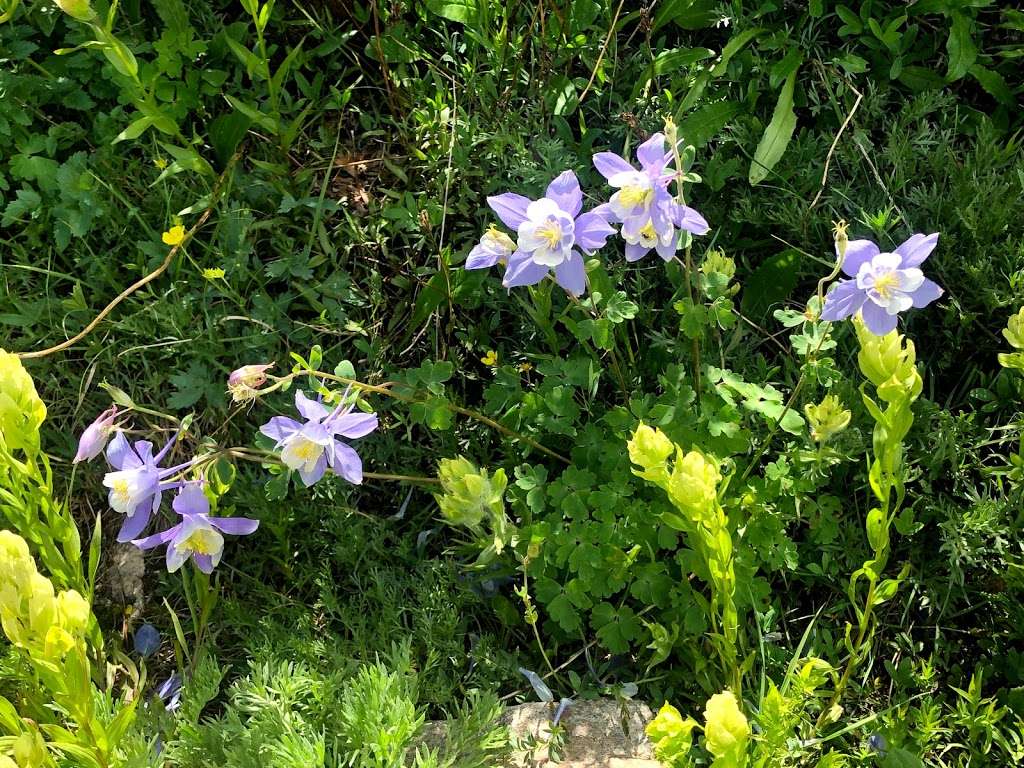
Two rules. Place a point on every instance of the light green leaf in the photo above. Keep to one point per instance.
(462, 11)
(777, 135)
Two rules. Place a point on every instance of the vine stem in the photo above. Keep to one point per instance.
(268, 457)
(803, 375)
(385, 390)
(214, 197)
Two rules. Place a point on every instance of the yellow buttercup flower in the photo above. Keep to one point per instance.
(213, 273)
(174, 236)
(525, 367)
(490, 359)
(160, 163)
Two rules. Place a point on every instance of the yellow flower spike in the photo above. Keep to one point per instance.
(21, 410)
(725, 729)
(827, 419)
(73, 611)
(490, 359)
(174, 236)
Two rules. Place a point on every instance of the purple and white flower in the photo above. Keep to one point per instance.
(138, 482)
(882, 284)
(197, 536)
(552, 236)
(94, 438)
(649, 215)
(312, 446)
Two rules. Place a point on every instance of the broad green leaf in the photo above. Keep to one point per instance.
(704, 124)
(777, 135)
(960, 47)
(462, 11)
(734, 46)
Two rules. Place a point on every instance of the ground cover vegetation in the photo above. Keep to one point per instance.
(373, 363)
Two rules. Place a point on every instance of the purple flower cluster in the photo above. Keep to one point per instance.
(136, 484)
(552, 234)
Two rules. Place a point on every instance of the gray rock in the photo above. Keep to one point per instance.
(603, 733)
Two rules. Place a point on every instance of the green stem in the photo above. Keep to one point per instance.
(386, 391)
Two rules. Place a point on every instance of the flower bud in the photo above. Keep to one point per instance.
(839, 229)
(470, 495)
(828, 418)
(242, 382)
(94, 438)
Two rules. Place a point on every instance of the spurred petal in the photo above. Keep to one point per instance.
(310, 409)
(858, 252)
(523, 271)
(118, 449)
(635, 251)
(482, 257)
(510, 208)
(175, 557)
(354, 425)
(314, 475)
(191, 500)
(236, 526)
(565, 190)
(592, 231)
(928, 292)
(608, 164)
(347, 463)
(916, 249)
(280, 428)
(878, 321)
(843, 300)
(134, 525)
(651, 153)
(157, 538)
(687, 218)
(666, 249)
(572, 275)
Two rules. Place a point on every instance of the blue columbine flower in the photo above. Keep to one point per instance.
(649, 214)
(197, 535)
(882, 285)
(138, 482)
(311, 447)
(552, 236)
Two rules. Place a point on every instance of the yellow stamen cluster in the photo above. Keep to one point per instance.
(886, 284)
(551, 232)
(633, 195)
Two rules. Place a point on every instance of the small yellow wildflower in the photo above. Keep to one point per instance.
(490, 359)
(160, 163)
(213, 273)
(174, 236)
(525, 367)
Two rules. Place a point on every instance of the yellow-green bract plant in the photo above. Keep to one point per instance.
(691, 480)
(472, 497)
(888, 363)
(27, 501)
(49, 630)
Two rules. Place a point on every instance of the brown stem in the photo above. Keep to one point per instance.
(214, 196)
